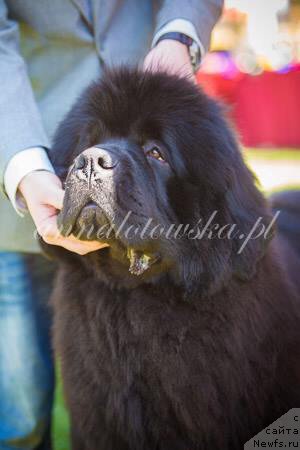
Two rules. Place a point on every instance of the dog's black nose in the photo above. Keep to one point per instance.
(95, 160)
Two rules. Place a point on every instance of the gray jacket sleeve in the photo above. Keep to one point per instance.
(203, 14)
(20, 122)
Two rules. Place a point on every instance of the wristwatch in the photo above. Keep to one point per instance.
(193, 47)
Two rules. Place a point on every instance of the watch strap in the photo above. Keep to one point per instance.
(192, 46)
(183, 38)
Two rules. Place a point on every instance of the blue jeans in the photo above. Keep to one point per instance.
(26, 366)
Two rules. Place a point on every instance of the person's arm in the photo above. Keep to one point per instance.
(22, 137)
(192, 18)
(21, 124)
(201, 14)
(22, 163)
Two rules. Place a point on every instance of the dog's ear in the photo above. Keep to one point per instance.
(242, 204)
(253, 221)
(228, 188)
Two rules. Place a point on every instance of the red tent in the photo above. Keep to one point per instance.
(265, 108)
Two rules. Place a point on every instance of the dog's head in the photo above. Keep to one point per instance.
(152, 168)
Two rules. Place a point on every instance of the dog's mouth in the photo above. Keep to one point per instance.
(86, 220)
(90, 222)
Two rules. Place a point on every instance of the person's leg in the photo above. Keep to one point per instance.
(26, 367)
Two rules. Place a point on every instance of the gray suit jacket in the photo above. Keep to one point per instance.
(62, 46)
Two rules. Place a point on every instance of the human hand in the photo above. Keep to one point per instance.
(170, 56)
(43, 194)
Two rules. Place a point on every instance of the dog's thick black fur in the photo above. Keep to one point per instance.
(198, 347)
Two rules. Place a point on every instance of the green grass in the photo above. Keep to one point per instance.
(60, 430)
(61, 421)
(254, 156)
(271, 154)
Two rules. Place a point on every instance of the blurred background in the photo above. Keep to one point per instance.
(254, 69)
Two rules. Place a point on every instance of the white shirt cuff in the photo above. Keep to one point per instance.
(180, 26)
(21, 164)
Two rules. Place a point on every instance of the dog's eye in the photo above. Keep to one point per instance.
(155, 153)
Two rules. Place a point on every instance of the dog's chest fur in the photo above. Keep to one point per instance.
(140, 362)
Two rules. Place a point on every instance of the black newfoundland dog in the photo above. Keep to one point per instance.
(184, 333)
